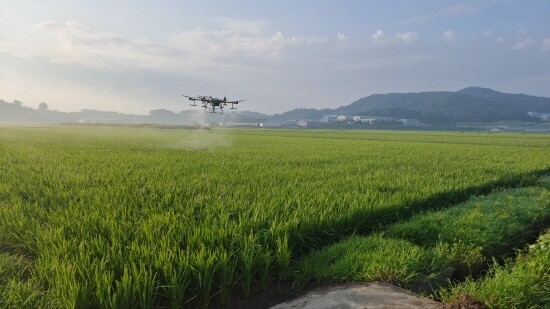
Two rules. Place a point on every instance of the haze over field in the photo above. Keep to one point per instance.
(133, 57)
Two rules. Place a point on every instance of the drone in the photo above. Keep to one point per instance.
(212, 104)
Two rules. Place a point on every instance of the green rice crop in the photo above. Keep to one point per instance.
(11, 267)
(139, 217)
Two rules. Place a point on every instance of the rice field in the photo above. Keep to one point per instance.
(169, 218)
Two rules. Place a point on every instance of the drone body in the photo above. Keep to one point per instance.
(212, 104)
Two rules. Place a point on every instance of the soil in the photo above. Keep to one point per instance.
(275, 293)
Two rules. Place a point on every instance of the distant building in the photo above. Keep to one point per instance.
(371, 119)
(97, 120)
(246, 123)
(290, 123)
(341, 118)
(410, 122)
(302, 123)
(368, 120)
(329, 118)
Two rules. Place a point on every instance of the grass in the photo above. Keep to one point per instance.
(373, 258)
(463, 239)
(139, 217)
(484, 227)
(520, 283)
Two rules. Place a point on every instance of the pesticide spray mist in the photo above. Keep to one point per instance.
(205, 137)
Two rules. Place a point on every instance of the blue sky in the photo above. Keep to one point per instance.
(134, 56)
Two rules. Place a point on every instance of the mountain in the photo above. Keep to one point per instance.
(303, 113)
(519, 101)
(472, 104)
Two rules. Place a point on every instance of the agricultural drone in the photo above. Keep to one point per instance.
(212, 104)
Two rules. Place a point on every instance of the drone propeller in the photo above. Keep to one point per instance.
(234, 102)
(190, 98)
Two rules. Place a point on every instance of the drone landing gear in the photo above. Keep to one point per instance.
(213, 111)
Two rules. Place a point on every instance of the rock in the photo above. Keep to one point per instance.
(370, 295)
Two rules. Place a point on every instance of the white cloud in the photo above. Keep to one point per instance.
(378, 35)
(341, 36)
(523, 43)
(205, 46)
(449, 36)
(73, 43)
(546, 44)
(407, 37)
(49, 25)
(234, 43)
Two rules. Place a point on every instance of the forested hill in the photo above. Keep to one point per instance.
(473, 104)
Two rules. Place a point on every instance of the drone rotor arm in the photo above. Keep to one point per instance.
(234, 102)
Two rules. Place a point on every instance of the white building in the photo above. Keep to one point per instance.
(302, 123)
(341, 118)
(368, 120)
(410, 122)
(371, 119)
(329, 118)
(246, 123)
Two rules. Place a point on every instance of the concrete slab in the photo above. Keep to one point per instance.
(354, 296)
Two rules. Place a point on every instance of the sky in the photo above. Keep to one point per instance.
(135, 56)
